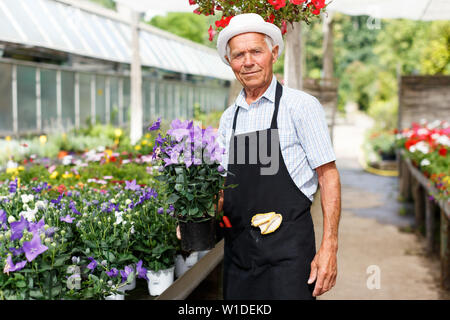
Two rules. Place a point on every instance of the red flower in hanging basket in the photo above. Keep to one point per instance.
(283, 27)
(192, 2)
(222, 23)
(297, 2)
(277, 4)
(443, 152)
(211, 33)
(271, 18)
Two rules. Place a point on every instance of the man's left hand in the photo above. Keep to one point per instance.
(323, 271)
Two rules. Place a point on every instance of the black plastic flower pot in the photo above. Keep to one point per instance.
(198, 236)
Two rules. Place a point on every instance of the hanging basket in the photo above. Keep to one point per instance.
(198, 236)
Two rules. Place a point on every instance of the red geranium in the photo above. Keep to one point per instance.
(277, 4)
(443, 151)
(212, 33)
(297, 1)
(222, 23)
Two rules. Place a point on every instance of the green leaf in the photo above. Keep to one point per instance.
(172, 198)
(21, 284)
(36, 294)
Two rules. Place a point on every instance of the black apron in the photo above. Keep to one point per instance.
(275, 265)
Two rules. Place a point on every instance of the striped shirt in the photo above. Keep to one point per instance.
(304, 138)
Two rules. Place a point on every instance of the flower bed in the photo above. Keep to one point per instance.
(85, 225)
(427, 145)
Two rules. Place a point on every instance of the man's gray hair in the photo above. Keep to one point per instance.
(267, 38)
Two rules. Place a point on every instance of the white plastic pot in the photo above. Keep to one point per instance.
(130, 286)
(182, 265)
(159, 281)
(115, 297)
(201, 254)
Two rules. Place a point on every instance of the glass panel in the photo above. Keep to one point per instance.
(68, 99)
(126, 101)
(8, 32)
(114, 100)
(157, 99)
(100, 101)
(48, 99)
(146, 102)
(26, 97)
(24, 21)
(6, 120)
(85, 100)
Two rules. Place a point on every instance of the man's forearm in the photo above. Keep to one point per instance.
(330, 193)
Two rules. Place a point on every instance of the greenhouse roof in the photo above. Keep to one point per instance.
(96, 32)
(426, 10)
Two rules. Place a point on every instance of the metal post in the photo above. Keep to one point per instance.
(77, 100)
(58, 101)
(93, 102)
(152, 101)
(121, 102)
(14, 99)
(108, 100)
(38, 100)
(136, 124)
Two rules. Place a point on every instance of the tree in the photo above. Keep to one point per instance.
(187, 25)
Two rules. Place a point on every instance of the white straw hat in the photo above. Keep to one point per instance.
(248, 22)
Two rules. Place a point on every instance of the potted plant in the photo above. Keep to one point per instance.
(189, 158)
(155, 238)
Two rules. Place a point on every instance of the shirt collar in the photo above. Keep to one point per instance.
(269, 94)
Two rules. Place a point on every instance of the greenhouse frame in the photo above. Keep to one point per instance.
(65, 64)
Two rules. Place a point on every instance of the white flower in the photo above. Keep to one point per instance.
(30, 215)
(412, 148)
(425, 162)
(11, 164)
(434, 124)
(119, 218)
(422, 132)
(27, 198)
(132, 230)
(127, 202)
(423, 147)
(444, 140)
(41, 205)
(67, 160)
(11, 219)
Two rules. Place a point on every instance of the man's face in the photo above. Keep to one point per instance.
(251, 60)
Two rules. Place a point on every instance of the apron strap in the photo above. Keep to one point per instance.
(273, 125)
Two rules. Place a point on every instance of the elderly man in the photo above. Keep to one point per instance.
(290, 125)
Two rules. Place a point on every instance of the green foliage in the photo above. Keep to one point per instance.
(187, 25)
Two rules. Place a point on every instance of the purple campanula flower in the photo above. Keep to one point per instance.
(36, 227)
(141, 271)
(15, 251)
(13, 186)
(131, 185)
(34, 247)
(113, 273)
(10, 266)
(125, 273)
(17, 228)
(160, 210)
(50, 232)
(57, 201)
(67, 219)
(156, 125)
(93, 264)
(220, 168)
(3, 218)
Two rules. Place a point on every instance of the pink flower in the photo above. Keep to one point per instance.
(212, 33)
